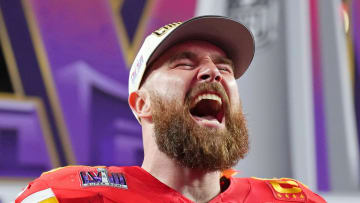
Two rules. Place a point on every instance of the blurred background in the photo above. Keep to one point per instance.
(64, 68)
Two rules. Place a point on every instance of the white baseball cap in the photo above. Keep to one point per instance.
(229, 35)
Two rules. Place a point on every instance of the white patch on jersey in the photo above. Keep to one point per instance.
(39, 196)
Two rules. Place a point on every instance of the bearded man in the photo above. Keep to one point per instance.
(183, 91)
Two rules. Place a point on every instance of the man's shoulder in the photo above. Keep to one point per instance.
(58, 181)
(62, 172)
(284, 189)
(77, 176)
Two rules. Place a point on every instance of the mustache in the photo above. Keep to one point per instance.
(213, 87)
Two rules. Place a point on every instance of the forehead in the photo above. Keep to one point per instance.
(197, 47)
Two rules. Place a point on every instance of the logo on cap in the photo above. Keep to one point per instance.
(165, 28)
(139, 64)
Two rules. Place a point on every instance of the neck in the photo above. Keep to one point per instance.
(196, 185)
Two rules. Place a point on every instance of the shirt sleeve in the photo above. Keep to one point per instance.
(37, 191)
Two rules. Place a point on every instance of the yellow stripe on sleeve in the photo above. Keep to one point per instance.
(50, 200)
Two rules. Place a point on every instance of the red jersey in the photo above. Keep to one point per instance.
(82, 184)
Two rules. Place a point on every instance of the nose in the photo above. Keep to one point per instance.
(209, 73)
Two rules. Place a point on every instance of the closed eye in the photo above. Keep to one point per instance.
(184, 63)
(183, 60)
(225, 67)
(184, 66)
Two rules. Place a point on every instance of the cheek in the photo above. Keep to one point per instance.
(233, 92)
(170, 85)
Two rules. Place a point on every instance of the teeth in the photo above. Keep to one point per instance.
(208, 96)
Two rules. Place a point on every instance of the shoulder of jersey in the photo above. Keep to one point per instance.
(281, 189)
(69, 178)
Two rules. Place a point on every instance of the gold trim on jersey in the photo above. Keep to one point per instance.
(50, 200)
(43, 196)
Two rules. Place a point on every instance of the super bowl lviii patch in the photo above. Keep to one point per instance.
(101, 177)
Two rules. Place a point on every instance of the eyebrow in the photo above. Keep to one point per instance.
(183, 55)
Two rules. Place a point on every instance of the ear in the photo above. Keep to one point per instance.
(139, 102)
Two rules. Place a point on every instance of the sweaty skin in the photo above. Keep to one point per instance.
(172, 75)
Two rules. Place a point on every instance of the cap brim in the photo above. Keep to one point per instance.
(231, 36)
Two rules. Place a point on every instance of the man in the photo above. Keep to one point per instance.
(183, 91)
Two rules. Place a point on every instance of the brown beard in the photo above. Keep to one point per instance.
(195, 146)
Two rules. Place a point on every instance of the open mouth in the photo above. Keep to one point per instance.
(208, 106)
